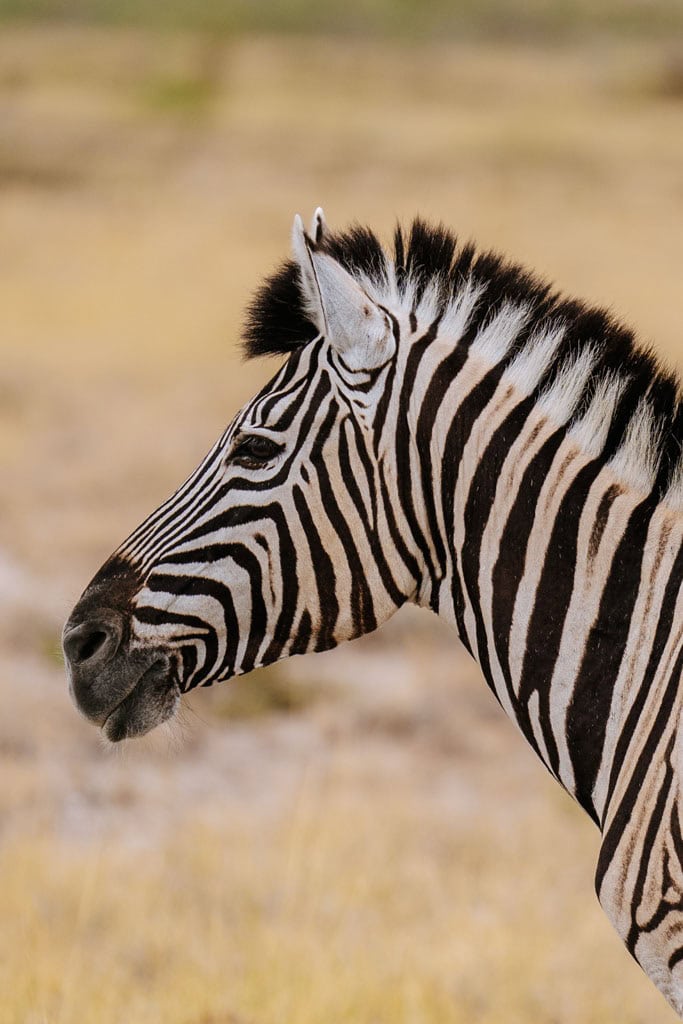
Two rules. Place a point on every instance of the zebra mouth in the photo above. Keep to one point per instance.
(154, 699)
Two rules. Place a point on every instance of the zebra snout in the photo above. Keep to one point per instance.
(94, 642)
(125, 688)
(91, 641)
(124, 685)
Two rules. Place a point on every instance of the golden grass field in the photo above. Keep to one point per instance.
(351, 838)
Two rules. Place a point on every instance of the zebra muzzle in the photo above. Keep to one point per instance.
(127, 691)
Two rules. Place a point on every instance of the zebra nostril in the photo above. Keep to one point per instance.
(89, 646)
(92, 642)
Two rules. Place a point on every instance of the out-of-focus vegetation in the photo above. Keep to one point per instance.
(337, 911)
(358, 836)
(262, 693)
(541, 19)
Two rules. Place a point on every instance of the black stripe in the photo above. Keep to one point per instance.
(659, 642)
(370, 529)
(478, 506)
(443, 377)
(206, 635)
(324, 575)
(201, 586)
(362, 607)
(647, 846)
(403, 444)
(601, 518)
(302, 638)
(549, 613)
(509, 566)
(459, 433)
(591, 701)
(624, 810)
(290, 587)
(395, 533)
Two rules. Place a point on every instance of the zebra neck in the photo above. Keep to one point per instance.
(563, 582)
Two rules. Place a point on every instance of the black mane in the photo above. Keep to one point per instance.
(277, 322)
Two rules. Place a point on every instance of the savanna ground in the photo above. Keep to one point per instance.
(355, 837)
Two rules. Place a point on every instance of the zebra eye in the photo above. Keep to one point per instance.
(255, 450)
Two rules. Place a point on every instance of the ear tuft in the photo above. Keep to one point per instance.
(318, 226)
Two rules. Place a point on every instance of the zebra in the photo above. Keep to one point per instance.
(449, 430)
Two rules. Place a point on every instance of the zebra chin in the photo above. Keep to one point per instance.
(153, 700)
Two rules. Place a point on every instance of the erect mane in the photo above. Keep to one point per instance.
(429, 258)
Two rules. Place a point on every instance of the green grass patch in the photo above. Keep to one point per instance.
(179, 95)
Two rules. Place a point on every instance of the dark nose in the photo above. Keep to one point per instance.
(91, 644)
(96, 640)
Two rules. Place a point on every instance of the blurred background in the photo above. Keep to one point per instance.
(353, 837)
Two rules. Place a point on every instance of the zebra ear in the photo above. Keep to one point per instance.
(353, 324)
(318, 226)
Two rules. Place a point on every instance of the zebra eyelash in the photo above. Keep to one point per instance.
(254, 451)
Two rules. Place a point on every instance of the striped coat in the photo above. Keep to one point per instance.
(445, 430)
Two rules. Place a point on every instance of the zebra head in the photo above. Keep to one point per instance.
(281, 541)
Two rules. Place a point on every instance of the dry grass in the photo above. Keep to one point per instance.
(341, 911)
(391, 854)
